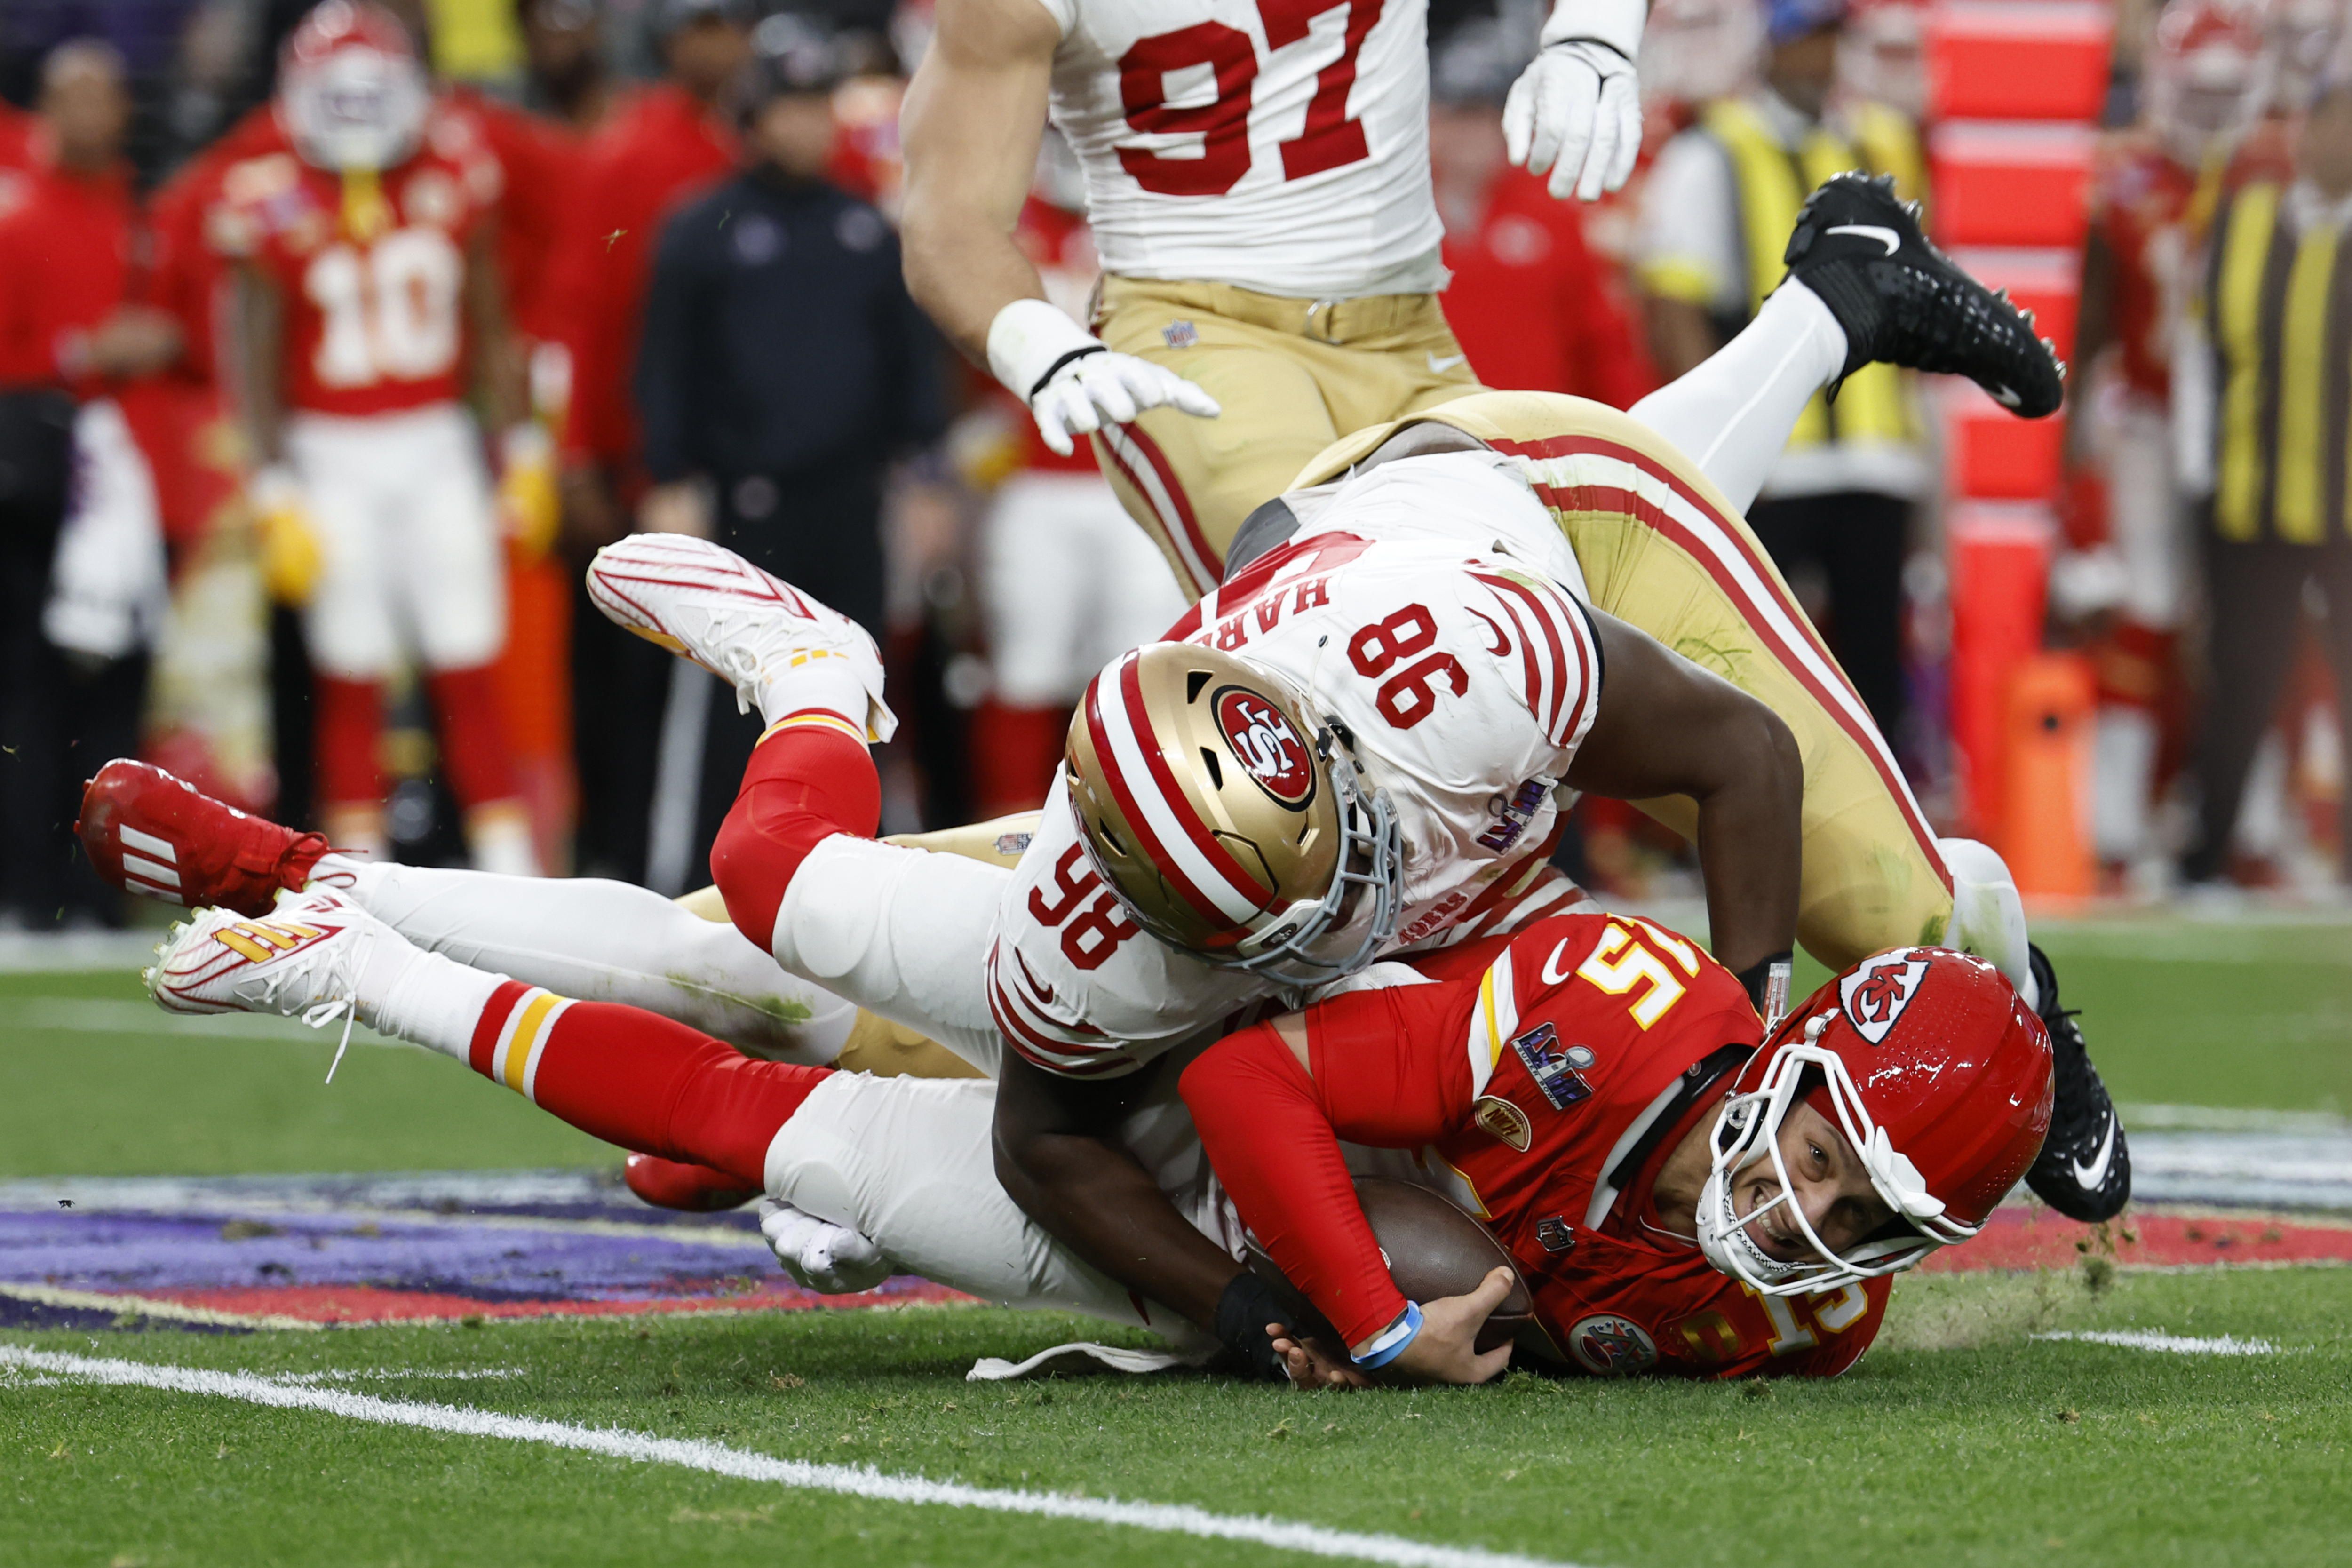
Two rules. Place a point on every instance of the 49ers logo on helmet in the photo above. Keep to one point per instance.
(1268, 744)
(1876, 994)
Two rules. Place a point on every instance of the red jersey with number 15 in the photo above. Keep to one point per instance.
(1554, 1084)
(372, 280)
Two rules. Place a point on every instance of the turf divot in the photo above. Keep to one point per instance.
(717, 1459)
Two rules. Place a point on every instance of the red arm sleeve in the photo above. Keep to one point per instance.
(1389, 1071)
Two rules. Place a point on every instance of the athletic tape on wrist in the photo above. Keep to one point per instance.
(1390, 1342)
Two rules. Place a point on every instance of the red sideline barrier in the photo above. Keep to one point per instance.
(2000, 559)
(2018, 59)
(1992, 455)
(2016, 184)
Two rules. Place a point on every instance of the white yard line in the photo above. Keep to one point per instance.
(717, 1459)
(2156, 1340)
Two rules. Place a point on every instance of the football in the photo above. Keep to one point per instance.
(1434, 1249)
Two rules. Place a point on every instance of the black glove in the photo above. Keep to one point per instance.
(1243, 1312)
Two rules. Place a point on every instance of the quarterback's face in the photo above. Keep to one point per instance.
(1826, 1180)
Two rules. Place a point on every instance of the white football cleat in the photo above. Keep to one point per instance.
(706, 603)
(824, 1256)
(300, 961)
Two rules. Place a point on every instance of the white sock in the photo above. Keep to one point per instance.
(420, 997)
(605, 942)
(1733, 413)
(832, 684)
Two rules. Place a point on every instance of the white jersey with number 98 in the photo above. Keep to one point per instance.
(1464, 681)
(1280, 145)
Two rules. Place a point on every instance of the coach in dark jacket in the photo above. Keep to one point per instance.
(783, 368)
(783, 363)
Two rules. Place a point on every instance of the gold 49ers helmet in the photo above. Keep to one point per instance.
(1226, 823)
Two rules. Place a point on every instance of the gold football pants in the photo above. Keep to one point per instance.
(1663, 551)
(1292, 376)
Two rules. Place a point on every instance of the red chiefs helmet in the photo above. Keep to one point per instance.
(351, 92)
(1938, 1076)
(2209, 74)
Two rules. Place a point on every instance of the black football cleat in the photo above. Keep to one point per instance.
(1903, 301)
(2084, 1168)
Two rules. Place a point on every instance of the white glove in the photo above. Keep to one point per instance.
(824, 1256)
(1577, 109)
(1072, 384)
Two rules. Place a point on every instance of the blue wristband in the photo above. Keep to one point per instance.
(1389, 1342)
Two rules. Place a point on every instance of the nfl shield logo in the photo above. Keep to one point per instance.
(1179, 334)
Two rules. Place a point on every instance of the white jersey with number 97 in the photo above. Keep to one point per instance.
(1279, 145)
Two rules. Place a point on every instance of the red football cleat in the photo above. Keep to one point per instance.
(674, 1184)
(148, 832)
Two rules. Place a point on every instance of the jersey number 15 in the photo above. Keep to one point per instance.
(1329, 140)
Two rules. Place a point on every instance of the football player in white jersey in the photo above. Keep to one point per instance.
(1457, 579)
(1257, 178)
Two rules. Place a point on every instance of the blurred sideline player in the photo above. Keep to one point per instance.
(665, 144)
(2259, 375)
(1067, 582)
(1273, 251)
(2128, 566)
(1531, 305)
(366, 288)
(1760, 1248)
(539, 149)
(1696, 51)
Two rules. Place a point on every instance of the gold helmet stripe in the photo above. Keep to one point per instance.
(1194, 863)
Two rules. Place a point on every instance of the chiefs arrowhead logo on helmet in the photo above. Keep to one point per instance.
(1877, 991)
(1267, 745)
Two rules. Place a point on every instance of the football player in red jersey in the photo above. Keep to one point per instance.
(1677, 1195)
(367, 290)
(1680, 1199)
(2127, 568)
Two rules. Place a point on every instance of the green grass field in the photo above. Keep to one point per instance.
(1961, 1439)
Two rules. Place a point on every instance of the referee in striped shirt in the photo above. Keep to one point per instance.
(2262, 406)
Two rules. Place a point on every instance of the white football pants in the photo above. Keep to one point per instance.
(410, 562)
(605, 942)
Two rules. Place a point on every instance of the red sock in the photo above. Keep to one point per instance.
(1015, 752)
(349, 726)
(639, 1081)
(675, 1184)
(475, 756)
(805, 783)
